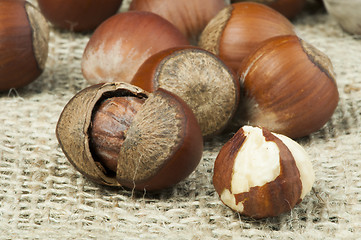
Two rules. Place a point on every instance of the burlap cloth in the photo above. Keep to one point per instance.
(43, 197)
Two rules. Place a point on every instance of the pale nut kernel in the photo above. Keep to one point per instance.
(262, 174)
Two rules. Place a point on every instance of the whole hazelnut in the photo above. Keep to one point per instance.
(116, 134)
(295, 95)
(200, 78)
(261, 174)
(24, 37)
(289, 8)
(78, 15)
(239, 28)
(190, 17)
(123, 42)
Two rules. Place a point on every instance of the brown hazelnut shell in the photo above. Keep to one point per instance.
(141, 164)
(200, 78)
(190, 17)
(239, 28)
(78, 16)
(289, 8)
(24, 38)
(271, 199)
(293, 96)
(123, 42)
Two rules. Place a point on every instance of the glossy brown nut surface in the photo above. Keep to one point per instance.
(197, 76)
(289, 8)
(238, 29)
(190, 17)
(78, 15)
(123, 42)
(289, 87)
(24, 38)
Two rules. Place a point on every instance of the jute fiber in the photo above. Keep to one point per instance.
(43, 197)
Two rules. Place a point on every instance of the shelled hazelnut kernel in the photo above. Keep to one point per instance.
(239, 28)
(289, 8)
(200, 78)
(117, 134)
(262, 174)
(24, 37)
(123, 42)
(78, 15)
(294, 96)
(190, 17)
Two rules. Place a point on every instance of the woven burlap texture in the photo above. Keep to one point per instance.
(43, 197)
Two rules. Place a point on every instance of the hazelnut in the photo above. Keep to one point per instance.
(200, 78)
(78, 15)
(123, 42)
(117, 134)
(190, 17)
(294, 96)
(261, 174)
(239, 28)
(289, 8)
(24, 36)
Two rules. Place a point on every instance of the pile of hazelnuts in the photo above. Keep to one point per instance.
(167, 75)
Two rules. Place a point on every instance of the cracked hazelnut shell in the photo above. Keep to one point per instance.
(78, 15)
(294, 96)
(162, 145)
(24, 36)
(238, 29)
(261, 174)
(123, 42)
(200, 78)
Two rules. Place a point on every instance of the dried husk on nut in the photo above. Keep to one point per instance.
(162, 145)
(72, 129)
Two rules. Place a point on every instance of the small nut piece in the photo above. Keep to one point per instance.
(200, 78)
(261, 174)
(119, 135)
(24, 36)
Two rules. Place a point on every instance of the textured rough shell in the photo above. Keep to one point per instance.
(163, 144)
(73, 125)
(197, 76)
